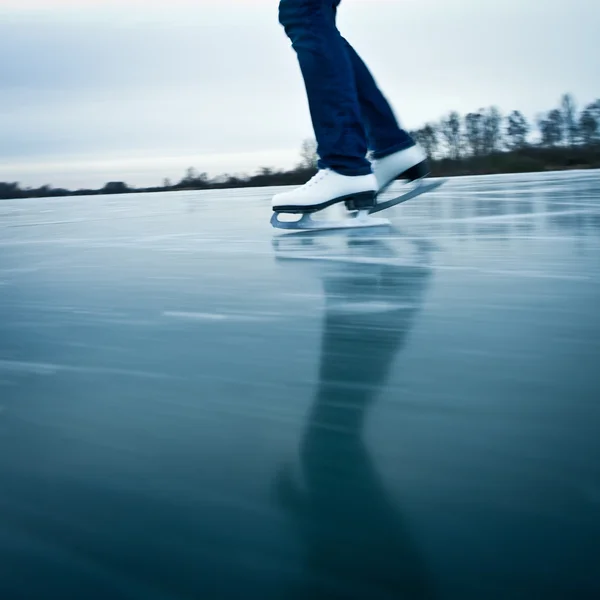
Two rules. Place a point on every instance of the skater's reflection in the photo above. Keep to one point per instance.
(356, 541)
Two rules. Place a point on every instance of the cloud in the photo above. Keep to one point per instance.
(97, 81)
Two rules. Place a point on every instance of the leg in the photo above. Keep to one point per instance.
(384, 134)
(394, 152)
(330, 83)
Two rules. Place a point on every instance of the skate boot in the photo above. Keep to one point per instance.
(327, 188)
(410, 164)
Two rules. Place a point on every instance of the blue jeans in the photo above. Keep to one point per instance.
(350, 115)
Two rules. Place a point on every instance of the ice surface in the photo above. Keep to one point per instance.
(196, 405)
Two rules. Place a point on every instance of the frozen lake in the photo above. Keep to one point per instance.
(195, 405)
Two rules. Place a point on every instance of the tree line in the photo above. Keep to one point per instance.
(486, 141)
(481, 142)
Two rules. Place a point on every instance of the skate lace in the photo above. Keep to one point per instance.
(316, 178)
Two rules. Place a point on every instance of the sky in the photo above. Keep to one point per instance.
(137, 91)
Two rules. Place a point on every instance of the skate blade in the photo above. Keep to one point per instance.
(307, 223)
(420, 188)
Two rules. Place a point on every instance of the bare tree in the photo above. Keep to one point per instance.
(492, 131)
(588, 127)
(517, 129)
(474, 133)
(191, 174)
(308, 154)
(569, 119)
(551, 128)
(193, 178)
(450, 128)
(265, 171)
(430, 139)
(589, 124)
(427, 138)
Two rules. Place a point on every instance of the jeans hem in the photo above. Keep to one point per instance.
(348, 172)
(379, 154)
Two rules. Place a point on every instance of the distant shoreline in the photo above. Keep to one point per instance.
(480, 143)
(530, 159)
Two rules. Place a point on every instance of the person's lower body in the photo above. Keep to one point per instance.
(351, 118)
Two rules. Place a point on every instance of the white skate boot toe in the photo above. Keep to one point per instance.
(327, 188)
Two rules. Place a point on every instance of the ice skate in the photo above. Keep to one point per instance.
(410, 165)
(328, 188)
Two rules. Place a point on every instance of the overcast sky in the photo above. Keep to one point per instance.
(137, 90)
